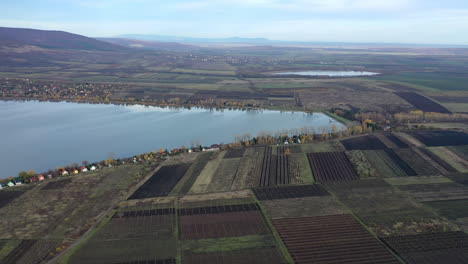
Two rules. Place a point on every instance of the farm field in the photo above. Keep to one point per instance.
(383, 164)
(302, 207)
(422, 103)
(162, 182)
(363, 143)
(9, 195)
(443, 247)
(331, 166)
(330, 239)
(220, 221)
(436, 191)
(275, 168)
(418, 163)
(441, 138)
(285, 192)
(129, 236)
(387, 210)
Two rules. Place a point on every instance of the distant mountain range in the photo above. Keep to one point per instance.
(152, 45)
(265, 41)
(18, 37)
(191, 40)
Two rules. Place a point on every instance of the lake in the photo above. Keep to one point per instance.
(330, 73)
(45, 135)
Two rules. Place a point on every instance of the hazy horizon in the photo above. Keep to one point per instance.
(353, 21)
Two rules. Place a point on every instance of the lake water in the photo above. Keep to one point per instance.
(330, 73)
(45, 135)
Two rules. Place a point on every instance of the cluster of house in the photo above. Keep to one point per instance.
(42, 177)
(82, 169)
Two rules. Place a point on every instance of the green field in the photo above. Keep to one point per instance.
(435, 81)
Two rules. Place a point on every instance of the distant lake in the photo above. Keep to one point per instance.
(330, 73)
(45, 135)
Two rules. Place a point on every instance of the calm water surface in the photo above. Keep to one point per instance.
(46, 135)
(331, 73)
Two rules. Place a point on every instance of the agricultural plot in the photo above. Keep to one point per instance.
(387, 210)
(397, 181)
(6, 196)
(363, 143)
(147, 236)
(275, 168)
(449, 156)
(416, 162)
(162, 182)
(361, 164)
(249, 170)
(69, 212)
(302, 207)
(331, 166)
(383, 164)
(324, 146)
(184, 185)
(234, 153)
(221, 221)
(442, 163)
(224, 176)
(242, 256)
(285, 192)
(396, 140)
(460, 150)
(443, 247)
(422, 103)
(461, 178)
(402, 164)
(29, 252)
(331, 239)
(436, 191)
(54, 185)
(441, 138)
(452, 209)
(347, 186)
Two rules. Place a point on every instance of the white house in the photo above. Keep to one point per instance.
(11, 184)
(92, 168)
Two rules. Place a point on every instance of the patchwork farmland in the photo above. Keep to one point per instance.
(367, 199)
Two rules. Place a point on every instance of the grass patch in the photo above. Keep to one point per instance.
(305, 170)
(418, 180)
(227, 243)
(325, 146)
(451, 209)
(341, 119)
(456, 107)
(447, 156)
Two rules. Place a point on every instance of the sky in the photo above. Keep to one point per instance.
(376, 21)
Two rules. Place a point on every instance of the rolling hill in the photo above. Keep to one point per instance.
(20, 37)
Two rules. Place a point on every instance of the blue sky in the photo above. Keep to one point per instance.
(389, 21)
